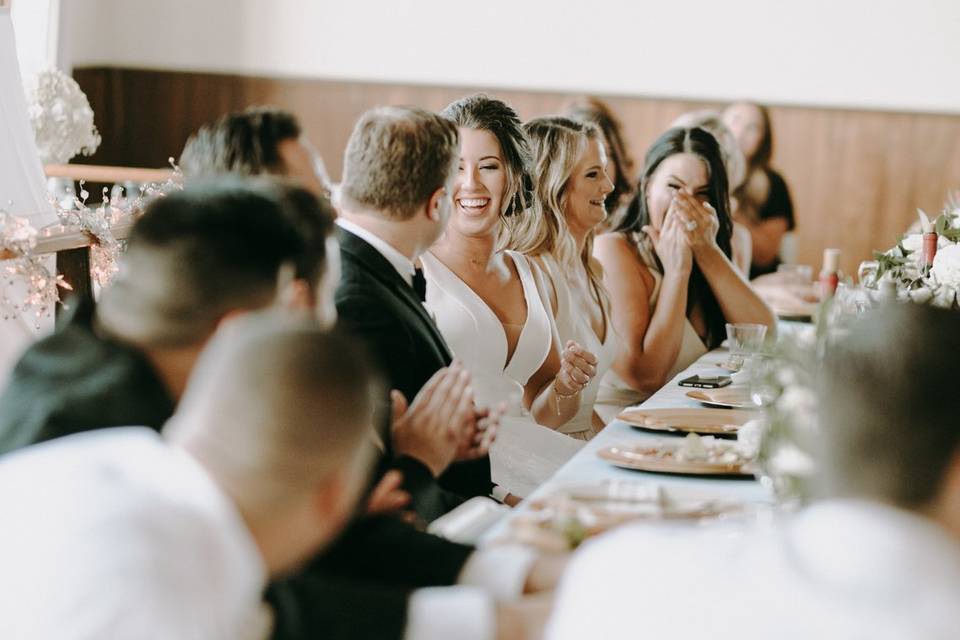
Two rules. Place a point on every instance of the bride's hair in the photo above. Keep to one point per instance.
(557, 144)
(482, 112)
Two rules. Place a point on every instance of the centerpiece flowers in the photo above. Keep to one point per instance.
(922, 267)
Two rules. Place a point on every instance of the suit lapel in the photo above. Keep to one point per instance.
(379, 267)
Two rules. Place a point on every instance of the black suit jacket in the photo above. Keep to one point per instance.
(377, 305)
(76, 380)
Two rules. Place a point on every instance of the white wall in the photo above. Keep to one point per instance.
(889, 54)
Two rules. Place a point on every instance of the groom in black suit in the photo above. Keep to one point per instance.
(395, 202)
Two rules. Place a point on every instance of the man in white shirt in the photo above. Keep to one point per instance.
(118, 534)
(878, 556)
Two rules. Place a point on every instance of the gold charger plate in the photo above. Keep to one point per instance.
(727, 397)
(705, 421)
(661, 460)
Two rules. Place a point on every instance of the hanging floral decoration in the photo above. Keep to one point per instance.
(22, 263)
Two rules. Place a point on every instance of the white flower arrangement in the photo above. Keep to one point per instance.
(61, 117)
(785, 434)
(901, 268)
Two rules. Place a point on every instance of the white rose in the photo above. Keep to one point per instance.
(946, 266)
(912, 242)
(922, 295)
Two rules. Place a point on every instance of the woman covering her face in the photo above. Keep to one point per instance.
(668, 270)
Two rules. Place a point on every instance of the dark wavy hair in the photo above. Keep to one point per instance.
(482, 112)
(244, 142)
(700, 143)
(596, 111)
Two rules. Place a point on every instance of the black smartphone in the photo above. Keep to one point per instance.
(706, 382)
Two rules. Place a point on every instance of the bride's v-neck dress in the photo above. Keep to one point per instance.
(525, 453)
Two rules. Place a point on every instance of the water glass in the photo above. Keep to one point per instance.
(743, 340)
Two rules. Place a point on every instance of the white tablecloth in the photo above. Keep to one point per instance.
(587, 468)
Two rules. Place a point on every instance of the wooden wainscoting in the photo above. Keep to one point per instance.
(856, 177)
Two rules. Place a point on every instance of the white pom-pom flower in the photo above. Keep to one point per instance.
(61, 117)
(946, 266)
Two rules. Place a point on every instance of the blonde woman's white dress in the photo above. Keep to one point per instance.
(525, 454)
(615, 394)
(22, 191)
(574, 324)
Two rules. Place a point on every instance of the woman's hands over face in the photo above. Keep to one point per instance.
(671, 243)
(698, 221)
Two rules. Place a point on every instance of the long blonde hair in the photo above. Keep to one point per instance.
(557, 144)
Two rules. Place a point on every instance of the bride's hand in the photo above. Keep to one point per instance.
(577, 368)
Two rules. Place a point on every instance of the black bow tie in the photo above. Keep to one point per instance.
(420, 285)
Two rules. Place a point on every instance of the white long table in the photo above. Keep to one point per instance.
(586, 467)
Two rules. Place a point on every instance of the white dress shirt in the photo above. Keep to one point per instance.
(400, 262)
(838, 569)
(114, 534)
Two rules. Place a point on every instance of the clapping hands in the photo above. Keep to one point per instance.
(443, 425)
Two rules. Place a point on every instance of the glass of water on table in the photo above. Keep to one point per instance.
(743, 340)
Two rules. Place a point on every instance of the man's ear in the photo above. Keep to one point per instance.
(296, 295)
(435, 203)
(333, 499)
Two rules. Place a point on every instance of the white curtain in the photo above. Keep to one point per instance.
(22, 189)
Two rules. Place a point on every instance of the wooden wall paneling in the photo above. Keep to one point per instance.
(856, 176)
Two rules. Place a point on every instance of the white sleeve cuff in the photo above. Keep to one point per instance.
(500, 570)
(441, 613)
(498, 493)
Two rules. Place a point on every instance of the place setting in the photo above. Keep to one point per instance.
(569, 515)
(694, 455)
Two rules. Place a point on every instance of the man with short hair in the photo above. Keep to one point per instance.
(253, 142)
(116, 533)
(394, 203)
(195, 258)
(876, 556)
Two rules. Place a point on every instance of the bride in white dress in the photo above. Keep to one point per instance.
(557, 232)
(489, 304)
(22, 190)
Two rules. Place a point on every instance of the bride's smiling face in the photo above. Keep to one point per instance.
(480, 184)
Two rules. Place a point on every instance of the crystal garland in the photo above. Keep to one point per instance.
(18, 240)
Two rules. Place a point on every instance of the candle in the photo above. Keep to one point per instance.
(929, 248)
(829, 274)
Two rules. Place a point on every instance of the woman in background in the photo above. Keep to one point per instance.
(763, 200)
(620, 166)
(668, 270)
(490, 304)
(570, 190)
(741, 243)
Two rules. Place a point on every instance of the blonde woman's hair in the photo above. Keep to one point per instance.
(557, 144)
